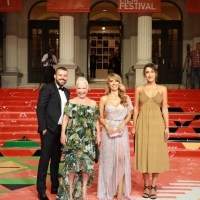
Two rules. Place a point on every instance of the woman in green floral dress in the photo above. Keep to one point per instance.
(80, 132)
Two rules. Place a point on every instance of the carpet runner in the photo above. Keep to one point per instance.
(18, 122)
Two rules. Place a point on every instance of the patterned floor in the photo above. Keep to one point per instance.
(18, 174)
(182, 182)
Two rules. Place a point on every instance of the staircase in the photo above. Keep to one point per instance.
(18, 122)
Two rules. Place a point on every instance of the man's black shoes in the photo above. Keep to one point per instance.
(42, 196)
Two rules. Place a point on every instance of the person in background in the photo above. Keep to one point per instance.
(194, 64)
(93, 60)
(151, 130)
(48, 60)
(80, 132)
(118, 62)
(113, 63)
(50, 106)
(111, 66)
(114, 163)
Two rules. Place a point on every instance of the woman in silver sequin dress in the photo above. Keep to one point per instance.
(114, 167)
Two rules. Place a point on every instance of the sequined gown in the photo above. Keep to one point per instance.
(114, 159)
(151, 153)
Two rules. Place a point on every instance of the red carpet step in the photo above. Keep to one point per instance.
(18, 122)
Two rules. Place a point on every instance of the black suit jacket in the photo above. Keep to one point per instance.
(49, 107)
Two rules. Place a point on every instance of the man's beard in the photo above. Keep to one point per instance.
(61, 85)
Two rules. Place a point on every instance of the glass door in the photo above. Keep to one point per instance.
(167, 51)
(42, 34)
(103, 44)
(104, 38)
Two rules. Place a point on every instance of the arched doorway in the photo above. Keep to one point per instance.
(104, 37)
(167, 43)
(43, 32)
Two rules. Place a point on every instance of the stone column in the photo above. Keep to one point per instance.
(133, 41)
(66, 41)
(10, 77)
(144, 44)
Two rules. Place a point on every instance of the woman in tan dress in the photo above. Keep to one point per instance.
(151, 130)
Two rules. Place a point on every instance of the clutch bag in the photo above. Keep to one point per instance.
(116, 134)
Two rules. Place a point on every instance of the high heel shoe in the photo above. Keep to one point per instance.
(153, 196)
(145, 194)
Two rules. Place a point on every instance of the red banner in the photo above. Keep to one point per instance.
(68, 5)
(10, 5)
(138, 6)
(193, 6)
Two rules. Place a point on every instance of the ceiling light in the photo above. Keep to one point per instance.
(103, 28)
(104, 10)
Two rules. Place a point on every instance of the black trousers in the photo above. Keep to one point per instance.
(50, 152)
(93, 71)
(49, 72)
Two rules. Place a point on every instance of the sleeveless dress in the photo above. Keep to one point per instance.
(151, 153)
(114, 161)
(80, 149)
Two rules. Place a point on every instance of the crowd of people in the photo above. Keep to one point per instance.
(71, 128)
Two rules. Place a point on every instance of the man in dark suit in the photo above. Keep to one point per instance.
(50, 106)
(93, 60)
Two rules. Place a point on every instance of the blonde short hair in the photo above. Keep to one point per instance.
(82, 80)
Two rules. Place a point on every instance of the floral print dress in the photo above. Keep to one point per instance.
(79, 151)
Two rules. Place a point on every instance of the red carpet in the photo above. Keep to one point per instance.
(19, 138)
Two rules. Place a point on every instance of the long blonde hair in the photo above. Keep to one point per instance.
(121, 90)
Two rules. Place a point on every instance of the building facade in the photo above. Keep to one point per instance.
(138, 37)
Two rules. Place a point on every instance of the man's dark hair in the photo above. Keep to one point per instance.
(62, 68)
